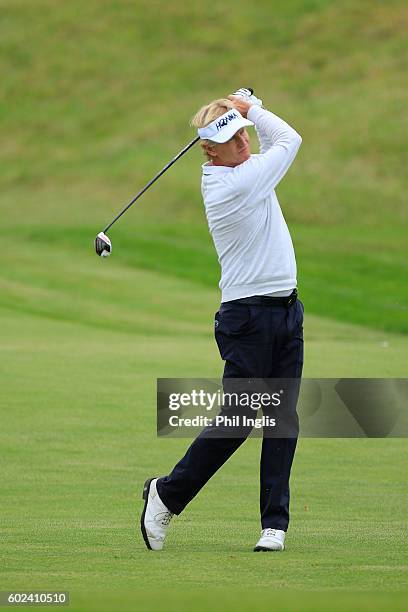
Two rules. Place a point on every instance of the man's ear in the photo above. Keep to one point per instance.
(209, 149)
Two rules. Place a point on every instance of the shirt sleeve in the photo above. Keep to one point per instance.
(279, 144)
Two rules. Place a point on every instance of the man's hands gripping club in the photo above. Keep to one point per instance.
(247, 94)
(243, 99)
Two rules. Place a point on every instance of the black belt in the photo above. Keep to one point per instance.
(267, 300)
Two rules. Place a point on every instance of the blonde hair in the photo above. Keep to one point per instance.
(207, 114)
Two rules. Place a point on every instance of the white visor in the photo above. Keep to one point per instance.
(223, 128)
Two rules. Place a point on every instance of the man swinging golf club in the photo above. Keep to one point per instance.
(259, 327)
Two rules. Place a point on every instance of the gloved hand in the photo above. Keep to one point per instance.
(247, 95)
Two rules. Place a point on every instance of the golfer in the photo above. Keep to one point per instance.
(259, 327)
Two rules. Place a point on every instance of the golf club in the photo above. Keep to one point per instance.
(103, 245)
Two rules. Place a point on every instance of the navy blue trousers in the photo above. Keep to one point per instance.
(257, 341)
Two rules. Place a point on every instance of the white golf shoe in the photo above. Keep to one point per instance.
(155, 517)
(271, 539)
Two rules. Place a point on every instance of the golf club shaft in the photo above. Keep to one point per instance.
(154, 179)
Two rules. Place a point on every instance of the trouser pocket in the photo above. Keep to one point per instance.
(232, 323)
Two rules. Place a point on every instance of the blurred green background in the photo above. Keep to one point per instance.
(96, 97)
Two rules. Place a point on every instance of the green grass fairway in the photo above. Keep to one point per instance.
(95, 98)
(78, 440)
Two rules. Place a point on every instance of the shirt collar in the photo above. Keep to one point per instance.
(208, 169)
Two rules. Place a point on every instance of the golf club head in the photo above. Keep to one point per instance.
(103, 245)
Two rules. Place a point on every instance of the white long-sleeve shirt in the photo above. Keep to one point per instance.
(250, 234)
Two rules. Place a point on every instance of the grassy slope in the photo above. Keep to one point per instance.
(97, 98)
(186, 253)
(112, 295)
